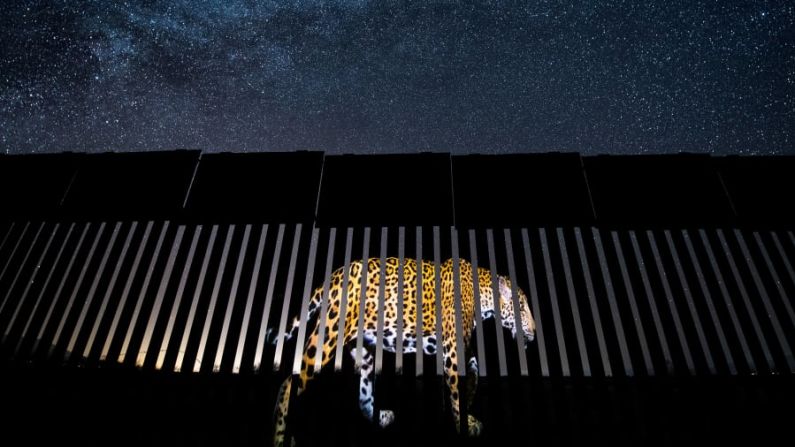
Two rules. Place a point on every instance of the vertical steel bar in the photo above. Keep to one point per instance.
(14, 250)
(30, 282)
(481, 344)
(633, 305)
(179, 364)
(787, 265)
(307, 296)
(208, 318)
(776, 280)
(600, 335)
(21, 267)
(680, 332)
(553, 299)
(381, 309)
(288, 293)
(142, 294)
(58, 291)
(161, 354)
(437, 281)
(771, 312)
(322, 320)
(400, 325)
(420, 330)
(364, 273)
(459, 327)
(43, 289)
(252, 289)
(230, 304)
(702, 339)
(8, 233)
(161, 292)
(266, 309)
(747, 301)
(655, 313)
(111, 285)
(343, 318)
(575, 309)
(611, 300)
(727, 302)
(536, 306)
(91, 292)
(710, 304)
(784, 257)
(519, 330)
(126, 292)
(497, 303)
(78, 284)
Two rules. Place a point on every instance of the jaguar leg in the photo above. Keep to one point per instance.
(474, 426)
(366, 379)
(451, 377)
(307, 374)
(280, 412)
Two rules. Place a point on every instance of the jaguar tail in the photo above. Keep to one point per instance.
(272, 336)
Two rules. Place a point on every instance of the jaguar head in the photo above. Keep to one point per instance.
(508, 315)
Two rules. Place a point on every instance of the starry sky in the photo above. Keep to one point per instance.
(359, 76)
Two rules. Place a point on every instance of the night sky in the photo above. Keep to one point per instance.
(383, 76)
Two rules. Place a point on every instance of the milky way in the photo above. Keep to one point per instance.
(383, 76)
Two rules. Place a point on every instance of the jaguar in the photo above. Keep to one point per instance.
(411, 341)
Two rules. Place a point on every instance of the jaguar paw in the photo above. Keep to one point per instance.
(475, 427)
(386, 417)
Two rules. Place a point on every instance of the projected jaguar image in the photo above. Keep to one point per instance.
(341, 304)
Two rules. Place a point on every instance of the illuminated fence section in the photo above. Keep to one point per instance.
(206, 287)
(222, 298)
